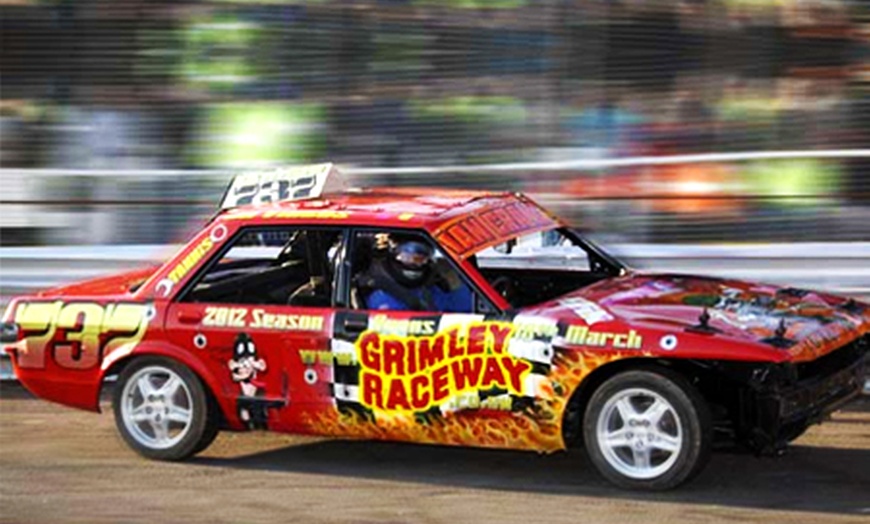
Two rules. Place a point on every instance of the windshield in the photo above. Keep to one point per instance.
(533, 268)
(550, 249)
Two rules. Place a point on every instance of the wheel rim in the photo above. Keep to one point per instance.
(157, 407)
(639, 433)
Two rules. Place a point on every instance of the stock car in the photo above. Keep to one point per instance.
(261, 322)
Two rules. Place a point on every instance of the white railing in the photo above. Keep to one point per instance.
(105, 206)
(495, 169)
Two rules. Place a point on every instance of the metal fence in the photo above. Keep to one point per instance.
(769, 196)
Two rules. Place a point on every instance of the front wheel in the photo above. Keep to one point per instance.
(162, 410)
(647, 429)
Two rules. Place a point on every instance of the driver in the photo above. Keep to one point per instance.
(408, 279)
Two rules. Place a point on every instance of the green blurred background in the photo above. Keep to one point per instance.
(93, 87)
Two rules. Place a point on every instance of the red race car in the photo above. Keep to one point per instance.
(446, 317)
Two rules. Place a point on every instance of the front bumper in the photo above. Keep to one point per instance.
(780, 408)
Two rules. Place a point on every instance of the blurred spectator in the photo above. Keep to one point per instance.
(395, 83)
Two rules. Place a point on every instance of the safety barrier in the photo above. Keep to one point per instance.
(636, 198)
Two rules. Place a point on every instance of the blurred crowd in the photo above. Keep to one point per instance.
(160, 84)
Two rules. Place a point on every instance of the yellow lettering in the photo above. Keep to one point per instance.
(85, 331)
(343, 359)
(221, 317)
(208, 320)
(238, 317)
(38, 322)
(196, 254)
(582, 336)
(82, 322)
(257, 320)
(498, 403)
(129, 321)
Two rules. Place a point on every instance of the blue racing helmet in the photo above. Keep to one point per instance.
(411, 260)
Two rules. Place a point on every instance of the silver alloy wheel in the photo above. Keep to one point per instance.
(639, 433)
(157, 407)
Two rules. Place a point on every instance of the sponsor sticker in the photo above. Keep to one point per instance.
(669, 342)
(258, 318)
(584, 336)
(400, 374)
(590, 312)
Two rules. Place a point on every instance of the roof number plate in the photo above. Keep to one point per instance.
(282, 184)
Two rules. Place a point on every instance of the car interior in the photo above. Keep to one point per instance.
(276, 267)
(372, 246)
(296, 267)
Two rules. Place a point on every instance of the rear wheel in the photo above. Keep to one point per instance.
(647, 429)
(212, 429)
(162, 410)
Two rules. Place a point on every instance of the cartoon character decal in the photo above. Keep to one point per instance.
(245, 368)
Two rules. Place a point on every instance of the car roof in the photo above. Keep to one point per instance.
(417, 205)
(435, 210)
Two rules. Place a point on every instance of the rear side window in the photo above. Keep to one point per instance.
(279, 266)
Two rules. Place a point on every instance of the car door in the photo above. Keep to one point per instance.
(261, 315)
(440, 376)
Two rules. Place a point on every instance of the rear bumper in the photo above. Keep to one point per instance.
(6, 371)
(8, 335)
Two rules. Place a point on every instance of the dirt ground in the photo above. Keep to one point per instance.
(63, 465)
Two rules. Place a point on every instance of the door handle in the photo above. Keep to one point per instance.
(355, 325)
(190, 317)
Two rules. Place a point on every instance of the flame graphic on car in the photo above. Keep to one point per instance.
(537, 426)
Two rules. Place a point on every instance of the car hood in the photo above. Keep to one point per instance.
(805, 323)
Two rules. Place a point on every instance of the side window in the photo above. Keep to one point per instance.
(549, 249)
(277, 266)
(405, 271)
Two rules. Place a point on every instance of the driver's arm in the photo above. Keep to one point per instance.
(380, 299)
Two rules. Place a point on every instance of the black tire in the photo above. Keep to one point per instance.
(212, 429)
(659, 453)
(139, 416)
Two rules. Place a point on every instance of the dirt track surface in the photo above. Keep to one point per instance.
(63, 465)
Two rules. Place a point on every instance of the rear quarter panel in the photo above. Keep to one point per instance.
(64, 342)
